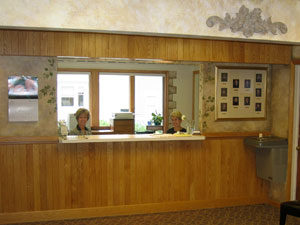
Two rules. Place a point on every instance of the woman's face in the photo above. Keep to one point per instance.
(82, 119)
(176, 121)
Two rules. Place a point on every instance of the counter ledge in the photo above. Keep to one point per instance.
(130, 137)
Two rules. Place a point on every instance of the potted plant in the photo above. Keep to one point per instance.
(157, 118)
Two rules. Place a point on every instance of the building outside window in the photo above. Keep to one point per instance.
(72, 93)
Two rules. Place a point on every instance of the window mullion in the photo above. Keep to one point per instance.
(132, 94)
(94, 98)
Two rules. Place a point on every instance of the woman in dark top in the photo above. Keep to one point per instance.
(176, 118)
(82, 116)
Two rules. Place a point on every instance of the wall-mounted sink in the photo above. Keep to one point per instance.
(267, 142)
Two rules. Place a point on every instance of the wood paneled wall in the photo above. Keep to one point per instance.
(41, 177)
(54, 43)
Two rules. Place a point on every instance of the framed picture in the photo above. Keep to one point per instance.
(240, 93)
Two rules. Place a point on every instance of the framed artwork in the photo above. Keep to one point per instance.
(240, 93)
(22, 98)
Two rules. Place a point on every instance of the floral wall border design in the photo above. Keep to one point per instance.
(247, 22)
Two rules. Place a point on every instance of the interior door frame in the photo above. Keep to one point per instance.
(296, 71)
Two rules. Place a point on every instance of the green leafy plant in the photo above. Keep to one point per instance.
(157, 118)
(49, 91)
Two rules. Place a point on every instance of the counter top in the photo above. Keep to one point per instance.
(131, 137)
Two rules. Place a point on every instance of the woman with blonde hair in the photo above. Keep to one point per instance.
(82, 116)
(176, 118)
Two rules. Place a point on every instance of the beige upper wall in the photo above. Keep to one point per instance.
(168, 17)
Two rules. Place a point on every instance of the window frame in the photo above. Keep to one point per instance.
(94, 91)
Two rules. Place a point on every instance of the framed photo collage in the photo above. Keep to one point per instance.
(240, 93)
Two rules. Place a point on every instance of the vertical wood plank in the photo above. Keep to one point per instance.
(36, 35)
(102, 45)
(36, 178)
(140, 47)
(71, 44)
(91, 179)
(159, 48)
(127, 170)
(29, 43)
(252, 53)
(44, 43)
(7, 180)
(29, 206)
(65, 44)
(171, 49)
(58, 43)
(237, 52)
(19, 154)
(51, 43)
(91, 45)
(118, 46)
(55, 177)
(7, 43)
(1, 42)
(74, 173)
(85, 44)
(23, 36)
(66, 183)
(220, 51)
(78, 44)
(49, 159)
(109, 175)
(133, 173)
(200, 50)
(105, 175)
(14, 42)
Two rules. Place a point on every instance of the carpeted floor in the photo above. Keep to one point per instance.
(241, 215)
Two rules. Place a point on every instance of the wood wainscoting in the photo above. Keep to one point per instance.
(82, 44)
(51, 181)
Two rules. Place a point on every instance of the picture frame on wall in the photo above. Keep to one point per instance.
(240, 93)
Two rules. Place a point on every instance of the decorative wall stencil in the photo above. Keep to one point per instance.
(49, 91)
(247, 22)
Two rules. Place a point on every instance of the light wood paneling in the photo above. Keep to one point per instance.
(54, 43)
(38, 177)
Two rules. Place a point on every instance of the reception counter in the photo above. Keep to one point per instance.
(108, 175)
(131, 138)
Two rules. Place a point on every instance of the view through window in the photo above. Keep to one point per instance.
(72, 93)
(114, 91)
(114, 95)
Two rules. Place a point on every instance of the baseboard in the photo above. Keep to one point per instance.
(273, 203)
(34, 216)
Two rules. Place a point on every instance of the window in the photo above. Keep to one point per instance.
(113, 96)
(148, 99)
(138, 93)
(105, 93)
(72, 93)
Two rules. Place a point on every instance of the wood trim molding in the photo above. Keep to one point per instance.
(94, 98)
(111, 70)
(132, 94)
(29, 140)
(296, 61)
(235, 134)
(35, 216)
(290, 133)
(165, 102)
